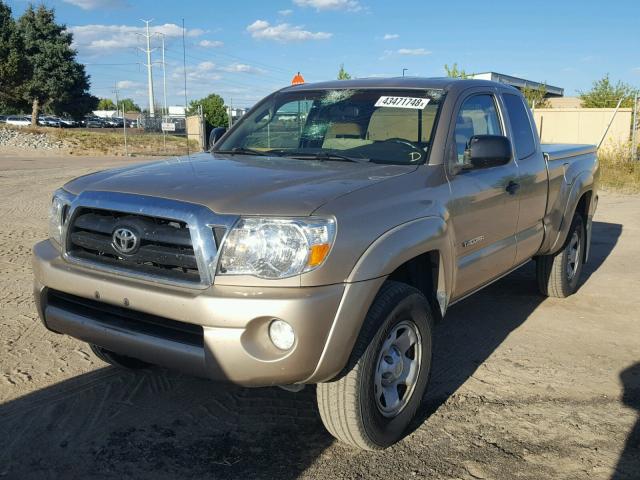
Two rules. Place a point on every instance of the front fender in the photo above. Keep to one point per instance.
(401, 244)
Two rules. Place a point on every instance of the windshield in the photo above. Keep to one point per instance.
(377, 125)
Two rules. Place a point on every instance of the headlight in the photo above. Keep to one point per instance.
(276, 247)
(58, 214)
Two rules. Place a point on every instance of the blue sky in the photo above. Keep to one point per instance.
(245, 49)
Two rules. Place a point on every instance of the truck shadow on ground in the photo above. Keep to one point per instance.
(629, 462)
(158, 424)
(475, 327)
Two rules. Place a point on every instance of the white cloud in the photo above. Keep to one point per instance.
(95, 39)
(128, 84)
(211, 43)
(413, 51)
(404, 51)
(206, 66)
(241, 68)
(203, 72)
(390, 36)
(636, 69)
(93, 4)
(284, 32)
(258, 25)
(285, 13)
(348, 5)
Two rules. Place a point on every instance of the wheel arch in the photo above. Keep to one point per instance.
(406, 251)
(401, 254)
(581, 199)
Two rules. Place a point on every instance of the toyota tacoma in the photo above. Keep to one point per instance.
(319, 241)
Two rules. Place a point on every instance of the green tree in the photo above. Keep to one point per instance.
(604, 94)
(343, 74)
(454, 72)
(128, 105)
(106, 104)
(215, 112)
(55, 79)
(77, 101)
(536, 97)
(14, 68)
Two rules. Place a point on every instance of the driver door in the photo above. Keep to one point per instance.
(484, 214)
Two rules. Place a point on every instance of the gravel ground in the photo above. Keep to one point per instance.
(523, 387)
(14, 138)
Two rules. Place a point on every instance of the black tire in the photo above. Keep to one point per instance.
(348, 406)
(553, 271)
(116, 359)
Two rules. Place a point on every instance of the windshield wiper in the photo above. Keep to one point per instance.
(323, 156)
(243, 151)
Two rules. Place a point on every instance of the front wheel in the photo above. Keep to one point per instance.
(559, 274)
(373, 403)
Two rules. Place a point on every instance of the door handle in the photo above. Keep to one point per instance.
(512, 187)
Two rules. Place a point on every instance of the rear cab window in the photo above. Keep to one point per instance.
(523, 138)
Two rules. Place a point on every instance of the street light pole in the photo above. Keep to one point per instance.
(404, 70)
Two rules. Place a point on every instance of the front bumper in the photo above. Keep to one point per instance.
(235, 345)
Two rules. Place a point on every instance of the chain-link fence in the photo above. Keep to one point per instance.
(163, 135)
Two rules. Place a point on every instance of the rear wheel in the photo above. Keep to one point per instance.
(373, 403)
(559, 274)
(116, 359)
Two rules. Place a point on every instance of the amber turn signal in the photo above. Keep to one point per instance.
(317, 254)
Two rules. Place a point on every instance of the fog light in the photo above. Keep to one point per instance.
(281, 334)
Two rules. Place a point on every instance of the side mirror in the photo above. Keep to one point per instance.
(485, 151)
(215, 135)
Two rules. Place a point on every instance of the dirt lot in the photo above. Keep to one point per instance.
(523, 386)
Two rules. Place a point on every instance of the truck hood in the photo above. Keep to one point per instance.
(242, 184)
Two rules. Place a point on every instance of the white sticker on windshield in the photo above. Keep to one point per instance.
(403, 102)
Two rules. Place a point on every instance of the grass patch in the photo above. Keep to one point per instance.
(111, 142)
(618, 171)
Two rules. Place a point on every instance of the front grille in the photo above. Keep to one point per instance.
(127, 319)
(164, 247)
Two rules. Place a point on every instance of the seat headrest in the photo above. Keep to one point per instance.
(344, 130)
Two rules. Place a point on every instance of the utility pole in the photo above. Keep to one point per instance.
(124, 121)
(148, 51)
(634, 134)
(164, 77)
(184, 67)
(115, 90)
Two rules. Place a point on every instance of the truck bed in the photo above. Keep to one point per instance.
(556, 151)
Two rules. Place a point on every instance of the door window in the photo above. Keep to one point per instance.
(520, 126)
(477, 116)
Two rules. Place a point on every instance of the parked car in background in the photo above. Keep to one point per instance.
(68, 123)
(49, 121)
(113, 122)
(93, 122)
(3, 119)
(19, 120)
(320, 241)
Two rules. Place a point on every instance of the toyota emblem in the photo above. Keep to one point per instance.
(124, 240)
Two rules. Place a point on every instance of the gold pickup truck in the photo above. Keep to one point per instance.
(319, 241)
